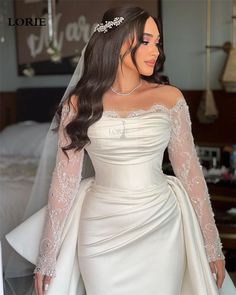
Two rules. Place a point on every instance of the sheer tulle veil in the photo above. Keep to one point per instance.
(39, 192)
(18, 272)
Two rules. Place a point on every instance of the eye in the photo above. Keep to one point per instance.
(158, 44)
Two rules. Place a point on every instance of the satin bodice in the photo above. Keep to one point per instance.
(128, 152)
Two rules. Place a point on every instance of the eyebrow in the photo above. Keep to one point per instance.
(148, 34)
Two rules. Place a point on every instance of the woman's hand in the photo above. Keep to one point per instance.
(41, 283)
(218, 267)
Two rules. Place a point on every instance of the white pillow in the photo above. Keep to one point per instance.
(23, 139)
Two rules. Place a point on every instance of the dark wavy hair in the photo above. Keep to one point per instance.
(101, 62)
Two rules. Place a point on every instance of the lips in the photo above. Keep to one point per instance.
(151, 63)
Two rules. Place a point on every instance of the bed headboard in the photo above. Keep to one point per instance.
(37, 104)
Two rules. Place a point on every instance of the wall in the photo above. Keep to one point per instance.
(184, 25)
(9, 80)
(184, 44)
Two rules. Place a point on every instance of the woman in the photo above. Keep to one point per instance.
(131, 229)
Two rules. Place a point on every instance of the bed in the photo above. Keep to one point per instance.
(19, 156)
(21, 144)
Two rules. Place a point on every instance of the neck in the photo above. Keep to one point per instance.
(126, 81)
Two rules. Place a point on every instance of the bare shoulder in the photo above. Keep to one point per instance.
(168, 95)
(171, 91)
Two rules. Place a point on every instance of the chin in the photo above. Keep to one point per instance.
(146, 70)
(147, 73)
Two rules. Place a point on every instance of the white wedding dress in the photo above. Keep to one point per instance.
(131, 229)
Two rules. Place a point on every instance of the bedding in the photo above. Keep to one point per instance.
(21, 145)
(24, 139)
(12, 209)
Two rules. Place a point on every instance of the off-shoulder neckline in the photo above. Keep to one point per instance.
(139, 112)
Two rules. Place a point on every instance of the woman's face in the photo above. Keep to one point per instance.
(147, 53)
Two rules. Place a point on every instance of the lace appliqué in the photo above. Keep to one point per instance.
(135, 113)
(187, 168)
(64, 185)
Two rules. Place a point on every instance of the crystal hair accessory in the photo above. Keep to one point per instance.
(109, 24)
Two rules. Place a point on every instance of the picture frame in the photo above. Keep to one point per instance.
(73, 31)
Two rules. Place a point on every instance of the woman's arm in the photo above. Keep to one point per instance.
(64, 184)
(187, 168)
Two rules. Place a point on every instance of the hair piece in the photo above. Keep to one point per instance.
(108, 24)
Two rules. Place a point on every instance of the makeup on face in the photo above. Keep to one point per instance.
(146, 39)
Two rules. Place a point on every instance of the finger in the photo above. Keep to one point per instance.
(35, 286)
(220, 279)
(212, 266)
(46, 283)
(39, 284)
(220, 274)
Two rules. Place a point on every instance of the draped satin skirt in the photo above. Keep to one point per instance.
(131, 242)
(116, 242)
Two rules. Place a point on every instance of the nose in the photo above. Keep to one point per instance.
(154, 51)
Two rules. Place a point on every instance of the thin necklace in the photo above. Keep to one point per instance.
(127, 93)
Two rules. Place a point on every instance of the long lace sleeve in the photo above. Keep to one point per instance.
(187, 168)
(65, 180)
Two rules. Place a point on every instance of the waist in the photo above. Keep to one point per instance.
(130, 177)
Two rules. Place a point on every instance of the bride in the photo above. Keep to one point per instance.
(130, 229)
